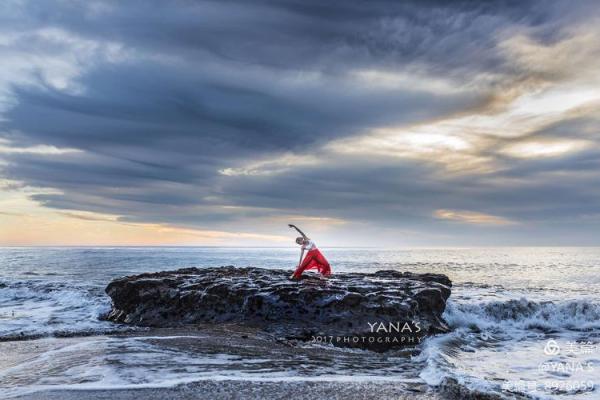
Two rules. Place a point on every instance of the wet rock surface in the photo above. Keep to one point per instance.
(378, 311)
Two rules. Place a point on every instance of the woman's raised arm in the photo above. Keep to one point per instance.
(299, 231)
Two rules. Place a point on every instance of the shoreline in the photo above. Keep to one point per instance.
(242, 340)
(244, 389)
(233, 339)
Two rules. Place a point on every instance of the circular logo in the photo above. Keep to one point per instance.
(552, 348)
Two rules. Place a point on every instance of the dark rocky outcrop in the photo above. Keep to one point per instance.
(378, 311)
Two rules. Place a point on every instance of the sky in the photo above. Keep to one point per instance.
(380, 123)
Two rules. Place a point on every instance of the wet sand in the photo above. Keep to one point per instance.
(316, 372)
(243, 342)
(230, 389)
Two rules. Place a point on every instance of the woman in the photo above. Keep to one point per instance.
(313, 259)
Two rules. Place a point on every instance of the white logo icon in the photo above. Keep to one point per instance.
(552, 348)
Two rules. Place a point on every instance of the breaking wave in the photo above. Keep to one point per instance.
(576, 315)
(520, 327)
(35, 308)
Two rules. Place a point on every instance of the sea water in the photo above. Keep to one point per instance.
(524, 321)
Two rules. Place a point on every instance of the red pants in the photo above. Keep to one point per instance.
(314, 259)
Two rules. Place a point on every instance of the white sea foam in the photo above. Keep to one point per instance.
(40, 308)
(577, 315)
(140, 362)
(505, 339)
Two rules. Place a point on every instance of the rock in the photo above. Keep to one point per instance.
(376, 311)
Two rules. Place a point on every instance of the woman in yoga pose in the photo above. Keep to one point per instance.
(313, 259)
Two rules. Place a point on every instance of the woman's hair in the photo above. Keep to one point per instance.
(300, 240)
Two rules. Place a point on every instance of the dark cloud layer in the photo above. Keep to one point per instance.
(301, 34)
(196, 87)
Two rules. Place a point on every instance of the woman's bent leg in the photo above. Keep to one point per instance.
(324, 267)
(307, 263)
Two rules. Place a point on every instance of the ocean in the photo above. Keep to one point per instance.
(525, 321)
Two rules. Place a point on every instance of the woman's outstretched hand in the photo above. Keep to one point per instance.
(298, 229)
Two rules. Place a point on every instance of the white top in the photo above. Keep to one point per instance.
(309, 245)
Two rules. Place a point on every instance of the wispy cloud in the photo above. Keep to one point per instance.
(7, 148)
(472, 217)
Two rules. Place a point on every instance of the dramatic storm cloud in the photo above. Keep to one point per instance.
(375, 123)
